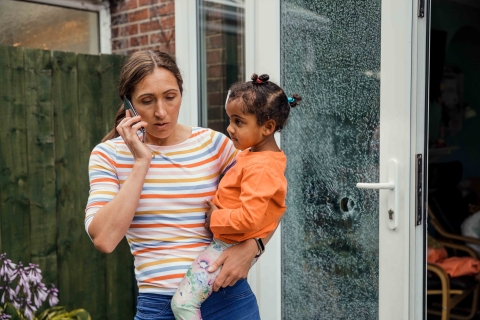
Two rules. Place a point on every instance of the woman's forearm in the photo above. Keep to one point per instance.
(236, 262)
(111, 222)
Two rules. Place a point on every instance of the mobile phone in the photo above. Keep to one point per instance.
(129, 106)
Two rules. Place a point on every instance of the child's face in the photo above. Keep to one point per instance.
(244, 129)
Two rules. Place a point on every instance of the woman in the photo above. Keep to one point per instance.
(155, 194)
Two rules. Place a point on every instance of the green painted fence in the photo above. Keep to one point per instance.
(55, 107)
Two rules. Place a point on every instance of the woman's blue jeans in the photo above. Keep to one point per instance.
(231, 303)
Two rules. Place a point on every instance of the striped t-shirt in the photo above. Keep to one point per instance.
(167, 232)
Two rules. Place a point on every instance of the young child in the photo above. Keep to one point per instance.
(250, 200)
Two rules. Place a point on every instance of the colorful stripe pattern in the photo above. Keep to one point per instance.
(167, 232)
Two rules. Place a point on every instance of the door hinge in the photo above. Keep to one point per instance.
(420, 188)
(421, 8)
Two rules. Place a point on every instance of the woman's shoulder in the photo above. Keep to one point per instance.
(109, 147)
(207, 133)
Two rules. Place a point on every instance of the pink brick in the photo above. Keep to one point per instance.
(142, 3)
(119, 44)
(215, 71)
(215, 41)
(124, 31)
(149, 26)
(131, 29)
(214, 56)
(115, 32)
(139, 41)
(119, 19)
(138, 15)
(214, 85)
(162, 10)
(164, 36)
(168, 22)
(215, 99)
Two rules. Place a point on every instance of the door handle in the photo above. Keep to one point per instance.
(392, 192)
(387, 185)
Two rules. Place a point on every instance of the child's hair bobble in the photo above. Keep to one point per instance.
(260, 79)
(294, 100)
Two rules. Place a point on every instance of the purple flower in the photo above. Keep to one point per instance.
(23, 281)
(7, 269)
(4, 316)
(17, 303)
(29, 310)
(40, 293)
(34, 273)
(52, 296)
(8, 294)
(30, 292)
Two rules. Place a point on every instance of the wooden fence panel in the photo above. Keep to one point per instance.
(90, 133)
(41, 162)
(111, 102)
(119, 263)
(15, 218)
(56, 107)
(69, 191)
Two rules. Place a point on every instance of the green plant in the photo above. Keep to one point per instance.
(23, 293)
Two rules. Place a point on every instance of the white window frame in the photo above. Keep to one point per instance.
(186, 47)
(186, 56)
(267, 271)
(104, 24)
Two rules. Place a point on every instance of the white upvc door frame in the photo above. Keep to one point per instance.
(402, 137)
(104, 21)
(419, 146)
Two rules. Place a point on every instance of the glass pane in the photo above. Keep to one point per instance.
(331, 57)
(47, 27)
(221, 57)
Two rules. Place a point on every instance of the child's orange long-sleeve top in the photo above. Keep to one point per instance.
(250, 197)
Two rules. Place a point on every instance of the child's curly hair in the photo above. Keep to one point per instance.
(265, 99)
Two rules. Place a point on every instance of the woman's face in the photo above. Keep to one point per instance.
(157, 100)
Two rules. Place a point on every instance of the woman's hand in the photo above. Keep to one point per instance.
(236, 262)
(128, 129)
(208, 214)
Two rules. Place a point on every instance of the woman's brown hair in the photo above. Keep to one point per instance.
(137, 66)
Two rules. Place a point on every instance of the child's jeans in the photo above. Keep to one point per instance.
(231, 303)
(197, 285)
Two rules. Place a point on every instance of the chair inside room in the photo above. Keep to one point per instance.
(447, 210)
(451, 290)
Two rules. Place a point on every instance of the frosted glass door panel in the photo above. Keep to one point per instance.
(331, 57)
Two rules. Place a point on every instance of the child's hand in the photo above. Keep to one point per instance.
(208, 214)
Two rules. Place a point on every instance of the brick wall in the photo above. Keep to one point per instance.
(143, 24)
(150, 24)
